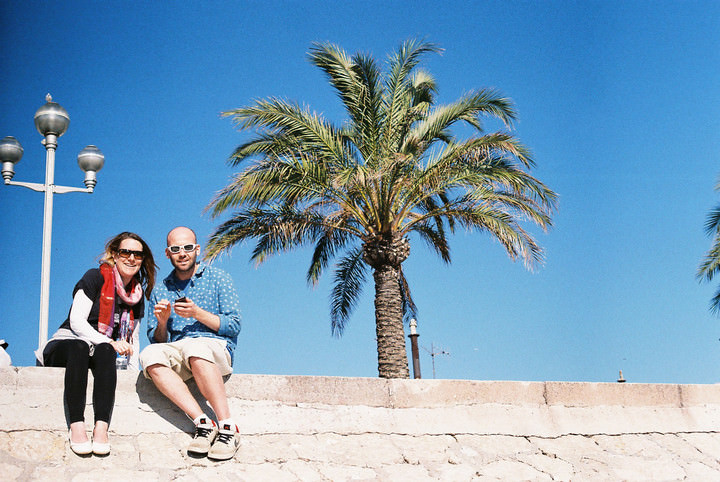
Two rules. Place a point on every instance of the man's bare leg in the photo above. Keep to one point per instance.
(210, 383)
(175, 389)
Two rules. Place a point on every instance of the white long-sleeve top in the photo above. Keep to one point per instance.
(80, 328)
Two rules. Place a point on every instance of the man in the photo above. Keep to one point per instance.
(193, 329)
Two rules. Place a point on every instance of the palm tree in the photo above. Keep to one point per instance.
(710, 265)
(357, 190)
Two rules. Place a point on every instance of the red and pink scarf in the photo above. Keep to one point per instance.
(112, 284)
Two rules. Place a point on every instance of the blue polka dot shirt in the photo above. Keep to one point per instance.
(212, 290)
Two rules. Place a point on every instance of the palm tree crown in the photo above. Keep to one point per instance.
(710, 265)
(357, 190)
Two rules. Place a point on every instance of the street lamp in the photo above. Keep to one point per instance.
(51, 120)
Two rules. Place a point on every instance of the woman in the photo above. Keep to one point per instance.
(105, 313)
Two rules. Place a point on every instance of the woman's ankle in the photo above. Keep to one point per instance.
(77, 432)
(100, 432)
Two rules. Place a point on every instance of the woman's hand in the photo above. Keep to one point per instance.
(122, 347)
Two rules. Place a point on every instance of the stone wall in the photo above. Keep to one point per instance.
(331, 428)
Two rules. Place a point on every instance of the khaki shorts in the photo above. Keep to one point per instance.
(176, 355)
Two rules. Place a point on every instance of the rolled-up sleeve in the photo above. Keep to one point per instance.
(228, 307)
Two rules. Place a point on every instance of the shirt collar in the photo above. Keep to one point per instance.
(172, 280)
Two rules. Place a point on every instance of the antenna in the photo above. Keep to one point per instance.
(432, 353)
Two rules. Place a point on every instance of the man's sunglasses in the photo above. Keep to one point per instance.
(188, 248)
(126, 253)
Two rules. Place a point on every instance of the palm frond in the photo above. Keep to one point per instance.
(325, 248)
(356, 80)
(404, 91)
(349, 279)
(495, 220)
(710, 265)
(409, 308)
(289, 181)
(712, 223)
(297, 125)
(715, 303)
(517, 242)
(469, 109)
(276, 229)
(366, 125)
(435, 238)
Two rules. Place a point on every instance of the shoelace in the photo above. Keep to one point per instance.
(202, 432)
(225, 437)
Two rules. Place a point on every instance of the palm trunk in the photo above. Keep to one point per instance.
(392, 354)
(386, 254)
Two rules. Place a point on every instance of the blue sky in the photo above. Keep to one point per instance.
(618, 101)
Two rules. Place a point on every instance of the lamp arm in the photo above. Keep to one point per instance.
(56, 189)
(64, 189)
(30, 185)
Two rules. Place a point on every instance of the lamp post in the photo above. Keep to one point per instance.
(51, 120)
(414, 348)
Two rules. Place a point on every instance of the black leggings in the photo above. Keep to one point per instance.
(75, 356)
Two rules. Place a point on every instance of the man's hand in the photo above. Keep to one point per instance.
(162, 310)
(188, 309)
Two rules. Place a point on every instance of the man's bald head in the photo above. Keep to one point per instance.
(181, 232)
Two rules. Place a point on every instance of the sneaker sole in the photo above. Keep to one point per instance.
(193, 452)
(219, 457)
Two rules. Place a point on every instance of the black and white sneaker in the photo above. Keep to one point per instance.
(226, 443)
(205, 433)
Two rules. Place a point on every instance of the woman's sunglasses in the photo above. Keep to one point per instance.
(126, 253)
